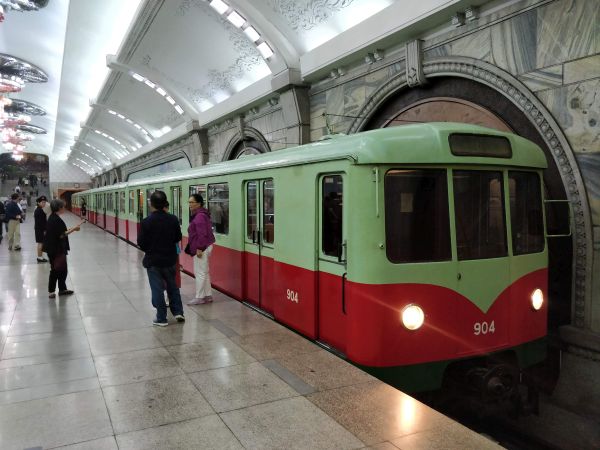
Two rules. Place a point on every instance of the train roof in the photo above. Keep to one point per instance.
(425, 143)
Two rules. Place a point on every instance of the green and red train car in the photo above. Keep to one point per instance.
(410, 250)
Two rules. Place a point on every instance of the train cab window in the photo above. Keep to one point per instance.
(218, 206)
(268, 210)
(479, 210)
(332, 195)
(417, 221)
(526, 216)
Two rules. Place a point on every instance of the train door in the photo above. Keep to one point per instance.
(104, 200)
(331, 253)
(483, 263)
(259, 240)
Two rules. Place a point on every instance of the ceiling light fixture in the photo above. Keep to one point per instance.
(220, 6)
(236, 19)
(265, 50)
(252, 33)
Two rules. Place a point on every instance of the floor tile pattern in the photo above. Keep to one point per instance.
(89, 371)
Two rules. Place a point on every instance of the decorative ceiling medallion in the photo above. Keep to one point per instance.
(307, 14)
(24, 107)
(11, 66)
(33, 129)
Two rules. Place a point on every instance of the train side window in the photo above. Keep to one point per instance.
(479, 211)
(526, 216)
(218, 206)
(268, 218)
(251, 209)
(417, 220)
(332, 195)
(131, 202)
(122, 202)
(175, 207)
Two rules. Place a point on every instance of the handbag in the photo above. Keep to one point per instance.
(59, 263)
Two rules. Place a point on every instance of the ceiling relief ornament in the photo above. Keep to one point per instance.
(220, 83)
(307, 14)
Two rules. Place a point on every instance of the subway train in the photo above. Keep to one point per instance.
(417, 252)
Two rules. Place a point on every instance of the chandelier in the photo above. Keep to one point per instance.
(21, 6)
(15, 114)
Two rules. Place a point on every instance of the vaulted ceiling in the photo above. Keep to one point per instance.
(124, 76)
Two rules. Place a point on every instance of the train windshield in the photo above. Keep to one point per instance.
(416, 216)
(479, 210)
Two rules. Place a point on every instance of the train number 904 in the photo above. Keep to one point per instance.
(292, 296)
(483, 328)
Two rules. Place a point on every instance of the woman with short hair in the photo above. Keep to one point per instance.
(56, 245)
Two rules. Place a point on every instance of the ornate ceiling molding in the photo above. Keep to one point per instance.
(307, 14)
(548, 129)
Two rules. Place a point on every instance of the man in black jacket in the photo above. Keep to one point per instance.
(158, 236)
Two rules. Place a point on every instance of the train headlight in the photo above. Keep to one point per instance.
(413, 317)
(537, 299)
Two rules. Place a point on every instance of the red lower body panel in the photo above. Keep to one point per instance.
(122, 228)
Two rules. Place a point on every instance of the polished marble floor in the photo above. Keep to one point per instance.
(91, 372)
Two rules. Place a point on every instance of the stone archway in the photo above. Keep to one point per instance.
(251, 143)
(540, 120)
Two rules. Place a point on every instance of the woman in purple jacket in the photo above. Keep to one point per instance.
(200, 240)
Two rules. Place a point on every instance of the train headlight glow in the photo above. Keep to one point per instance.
(413, 317)
(537, 299)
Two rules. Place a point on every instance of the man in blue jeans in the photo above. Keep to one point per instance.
(159, 232)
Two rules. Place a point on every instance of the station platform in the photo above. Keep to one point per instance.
(89, 371)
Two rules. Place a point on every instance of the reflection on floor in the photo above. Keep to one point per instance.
(91, 372)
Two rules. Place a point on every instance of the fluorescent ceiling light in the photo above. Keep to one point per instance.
(236, 19)
(170, 99)
(120, 116)
(220, 6)
(252, 33)
(137, 76)
(148, 139)
(165, 129)
(161, 91)
(150, 83)
(179, 109)
(110, 111)
(265, 50)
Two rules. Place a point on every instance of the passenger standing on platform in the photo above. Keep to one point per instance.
(159, 232)
(56, 245)
(13, 214)
(200, 240)
(39, 216)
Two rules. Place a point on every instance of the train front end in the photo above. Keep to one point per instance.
(450, 288)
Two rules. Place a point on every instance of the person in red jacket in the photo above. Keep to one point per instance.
(200, 240)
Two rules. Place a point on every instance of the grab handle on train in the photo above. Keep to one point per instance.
(342, 252)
